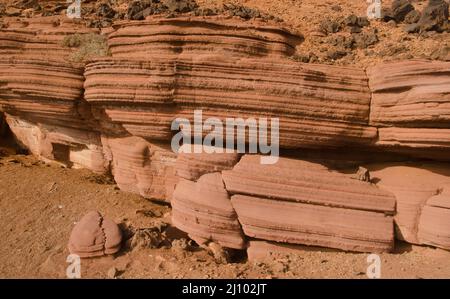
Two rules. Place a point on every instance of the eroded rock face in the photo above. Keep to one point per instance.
(318, 106)
(303, 203)
(184, 37)
(203, 209)
(413, 94)
(115, 114)
(191, 166)
(71, 147)
(416, 189)
(139, 166)
(410, 106)
(434, 223)
(95, 236)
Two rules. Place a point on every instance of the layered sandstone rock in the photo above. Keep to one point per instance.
(434, 223)
(116, 114)
(71, 147)
(303, 203)
(139, 166)
(43, 91)
(38, 37)
(203, 209)
(191, 165)
(411, 105)
(95, 236)
(413, 93)
(413, 185)
(317, 106)
(201, 36)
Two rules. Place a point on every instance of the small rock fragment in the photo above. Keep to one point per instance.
(94, 236)
(363, 174)
(400, 8)
(112, 273)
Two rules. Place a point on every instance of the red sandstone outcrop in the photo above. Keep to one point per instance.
(42, 92)
(40, 38)
(434, 223)
(95, 236)
(139, 166)
(191, 166)
(318, 106)
(71, 147)
(203, 210)
(415, 187)
(414, 93)
(303, 203)
(115, 114)
(411, 106)
(200, 36)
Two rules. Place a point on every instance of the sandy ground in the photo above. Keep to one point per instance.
(40, 203)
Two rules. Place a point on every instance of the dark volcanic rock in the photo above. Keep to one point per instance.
(434, 16)
(139, 10)
(400, 8)
(366, 39)
(329, 26)
(104, 10)
(412, 17)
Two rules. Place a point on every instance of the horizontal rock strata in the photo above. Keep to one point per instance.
(139, 166)
(413, 93)
(114, 114)
(203, 209)
(317, 106)
(302, 203)
(205, 36)
(411, 106)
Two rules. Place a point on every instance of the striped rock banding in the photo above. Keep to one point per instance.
(204, 36)
(139, 166)
(434, 223)
(203, 210)
(95, 235)
(413, 185)
(413, 93)
(304, 203)
(312, 113)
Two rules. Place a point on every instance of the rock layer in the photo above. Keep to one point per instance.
(414, 94)
(205, 36)
(139, 166)
(317, 106)
(434, 223)
(304, 203)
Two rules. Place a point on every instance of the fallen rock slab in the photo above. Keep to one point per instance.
(434, 223)
(414, 186)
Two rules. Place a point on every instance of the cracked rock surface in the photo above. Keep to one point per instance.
(95, 236)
